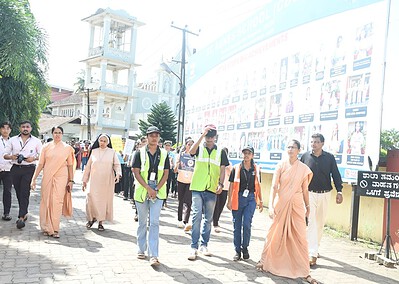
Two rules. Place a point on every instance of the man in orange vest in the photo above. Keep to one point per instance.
(243, 198)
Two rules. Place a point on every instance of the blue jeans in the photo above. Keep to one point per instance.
(203, 202)
(84, 162)
(242, 220)
(143, 209)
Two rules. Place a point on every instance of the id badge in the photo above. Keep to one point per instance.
(152, 176)
(246, 192)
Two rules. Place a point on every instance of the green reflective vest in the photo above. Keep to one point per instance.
(207, 170)
(140, 193)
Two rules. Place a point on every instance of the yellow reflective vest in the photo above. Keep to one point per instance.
(207, 170)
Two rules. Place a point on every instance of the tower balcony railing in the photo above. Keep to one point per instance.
(111, 52)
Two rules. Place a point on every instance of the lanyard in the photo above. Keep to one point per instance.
(2, 140)
(23, 146)
(246, 178)
(153, 160)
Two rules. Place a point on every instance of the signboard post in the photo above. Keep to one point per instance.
(382, 185)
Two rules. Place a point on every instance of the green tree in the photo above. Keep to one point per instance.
(23, 64)
(162, 117)
(389, 139)
(80, 81)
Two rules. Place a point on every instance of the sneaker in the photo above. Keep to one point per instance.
(141, 255)
(193, 254)
(6, 217)
(237, 256)
(217, 229)
(180, 224)
(154, 261)
(187, 228)
(204, 250)
(245, 254)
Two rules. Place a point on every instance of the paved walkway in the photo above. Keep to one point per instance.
(90, 256)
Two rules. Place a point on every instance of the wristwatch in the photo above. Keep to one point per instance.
(221, 184)
(71, 180)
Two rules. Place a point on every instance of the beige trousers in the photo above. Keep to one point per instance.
(318, 213)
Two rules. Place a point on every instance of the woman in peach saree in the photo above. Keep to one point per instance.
(56, 160)
(286, 249)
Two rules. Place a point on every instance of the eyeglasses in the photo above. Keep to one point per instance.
(292, 147)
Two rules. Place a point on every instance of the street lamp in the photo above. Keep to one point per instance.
(181, 110)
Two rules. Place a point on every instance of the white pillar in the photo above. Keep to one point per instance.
(100, 108)
(107, 29)
(133, 40)
(103, 75)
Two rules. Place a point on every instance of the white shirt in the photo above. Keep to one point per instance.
(31, 148)
(5, 165)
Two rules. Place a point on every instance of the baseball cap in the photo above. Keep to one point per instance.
(152, 129)
(249, 148)
(212, 132)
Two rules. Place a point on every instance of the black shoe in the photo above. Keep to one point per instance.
(136, 218)
(237, 256)
(20, 224)
(245, 254)
(6, 217)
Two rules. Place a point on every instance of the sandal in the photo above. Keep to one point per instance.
(89, 224)
(154, 261)
(101, 227)
(56, 235)
(310, 280)
(259, 266)
(46, 234)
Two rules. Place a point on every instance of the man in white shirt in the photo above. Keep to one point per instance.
(5, 167)
(23, 150)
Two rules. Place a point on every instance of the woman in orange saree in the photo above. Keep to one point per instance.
(286, 249)
(56, 160)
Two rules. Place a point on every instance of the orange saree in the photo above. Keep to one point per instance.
(286, 249)
(55, 159)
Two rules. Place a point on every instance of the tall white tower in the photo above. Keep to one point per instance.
(110, 71)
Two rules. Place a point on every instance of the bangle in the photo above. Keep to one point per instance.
(71, 180)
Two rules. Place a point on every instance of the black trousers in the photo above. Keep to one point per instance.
(21, 178)
(171, 183)
(219, 206)
(6, 180)
(127, 184)
(184, 197)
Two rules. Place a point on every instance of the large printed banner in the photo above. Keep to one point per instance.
(324, 73)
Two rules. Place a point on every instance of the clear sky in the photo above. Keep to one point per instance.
(68, 36)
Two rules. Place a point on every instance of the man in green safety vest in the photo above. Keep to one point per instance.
(151, 168)
(207, 181)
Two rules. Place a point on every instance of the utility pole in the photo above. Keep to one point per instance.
(182, 93)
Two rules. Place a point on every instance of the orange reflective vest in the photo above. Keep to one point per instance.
(236, 186)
